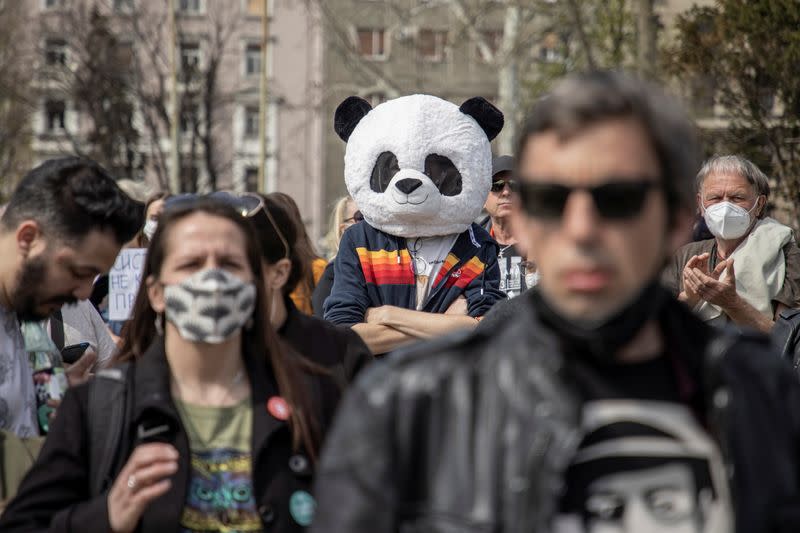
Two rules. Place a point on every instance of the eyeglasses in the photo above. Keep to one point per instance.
(247, 204)
(357, 217)
(615, 200)
(499, 185)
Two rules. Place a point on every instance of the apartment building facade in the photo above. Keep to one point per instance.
(320, 52)
(219, 112)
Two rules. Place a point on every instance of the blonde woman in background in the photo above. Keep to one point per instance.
(345, 213)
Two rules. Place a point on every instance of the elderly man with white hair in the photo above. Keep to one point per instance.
(750, 271)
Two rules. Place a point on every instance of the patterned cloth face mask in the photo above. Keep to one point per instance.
(210, 305)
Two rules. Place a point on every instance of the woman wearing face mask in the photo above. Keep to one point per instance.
(220, 426)
(152, 209)
(339, 349)
(750, 271)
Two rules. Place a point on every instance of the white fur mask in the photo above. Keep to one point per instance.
(418, 166)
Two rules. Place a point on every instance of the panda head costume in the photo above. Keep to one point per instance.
(418, 166)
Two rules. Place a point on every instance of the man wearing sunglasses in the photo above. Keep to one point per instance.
(500, 206)
(479, 432)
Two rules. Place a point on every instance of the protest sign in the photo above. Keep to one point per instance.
(123, 282)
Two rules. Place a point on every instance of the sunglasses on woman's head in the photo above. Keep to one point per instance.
(614, 200)
(246, 203)
(499, 185)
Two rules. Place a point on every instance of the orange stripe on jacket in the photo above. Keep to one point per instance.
(380, 267)
(448, 264)
(464, 275)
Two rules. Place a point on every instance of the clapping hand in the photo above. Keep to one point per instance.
(700, 284)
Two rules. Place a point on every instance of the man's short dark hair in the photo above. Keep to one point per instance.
(585, 99)
(69, 197)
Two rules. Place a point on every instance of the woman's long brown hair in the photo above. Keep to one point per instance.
(302, 245)
(140, 331)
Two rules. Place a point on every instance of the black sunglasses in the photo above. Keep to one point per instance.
(615, 200)
(357, 217)
(499, 185)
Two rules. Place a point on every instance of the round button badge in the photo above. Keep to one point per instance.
(298, 464)
(278, 408)
(301, 507)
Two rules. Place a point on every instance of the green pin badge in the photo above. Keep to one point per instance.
(301, 507)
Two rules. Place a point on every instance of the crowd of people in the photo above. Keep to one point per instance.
(531, 342)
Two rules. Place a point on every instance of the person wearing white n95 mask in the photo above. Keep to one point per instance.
(750, 271)
(727, 220)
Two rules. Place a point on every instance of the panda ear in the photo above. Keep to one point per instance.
(489, 118)
(348, 115)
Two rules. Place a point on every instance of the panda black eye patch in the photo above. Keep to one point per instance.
(384, 170)
(444, 174)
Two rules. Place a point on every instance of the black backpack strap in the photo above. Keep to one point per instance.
(57, 329)
(110, 403)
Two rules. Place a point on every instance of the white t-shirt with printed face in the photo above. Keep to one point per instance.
(17, 397)
(428, 254)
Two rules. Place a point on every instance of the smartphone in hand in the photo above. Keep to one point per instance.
(71, 354)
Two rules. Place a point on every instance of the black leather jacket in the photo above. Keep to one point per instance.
(474, 433)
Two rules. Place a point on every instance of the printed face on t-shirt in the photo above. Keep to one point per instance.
(661, 499)
(644, 466)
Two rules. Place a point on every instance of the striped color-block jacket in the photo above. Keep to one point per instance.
(374, 268)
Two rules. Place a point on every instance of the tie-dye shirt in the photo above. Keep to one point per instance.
(17, 397)
(220, 496)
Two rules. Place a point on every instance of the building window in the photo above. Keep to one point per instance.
(190, 57)
(493, 39)
(55, 52)
(123, 5)
(189, 177)
(124, 55)
(431, 44)
(372, 43)
(251, 179)
(252, 59)
(55, 112)
(251, 122)
(190, 118)
(191, 6)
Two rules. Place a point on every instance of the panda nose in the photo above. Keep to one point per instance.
(408, 185)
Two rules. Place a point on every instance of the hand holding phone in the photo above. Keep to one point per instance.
(71, 354)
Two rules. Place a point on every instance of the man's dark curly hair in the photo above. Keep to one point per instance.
(71, 196)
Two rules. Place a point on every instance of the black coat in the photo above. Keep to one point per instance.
(475, 432)
(322, 290)
(55, 495)
(338, 348)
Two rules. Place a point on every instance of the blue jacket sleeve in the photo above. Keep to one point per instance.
(348, 301)
(484, 291)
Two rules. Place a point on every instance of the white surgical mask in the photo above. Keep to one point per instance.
(210, 305)
(532, 279)
(727, 220)
(150, 228)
